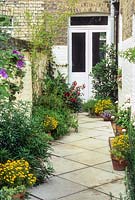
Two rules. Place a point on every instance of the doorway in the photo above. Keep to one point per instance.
(85, 43)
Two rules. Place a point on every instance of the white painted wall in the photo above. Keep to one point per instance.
(60, 54)
(128, 69)
(26, 93)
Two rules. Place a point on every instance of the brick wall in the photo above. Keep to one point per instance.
(127, 9)
(18, 10)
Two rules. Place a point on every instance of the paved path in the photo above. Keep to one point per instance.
(83, 169)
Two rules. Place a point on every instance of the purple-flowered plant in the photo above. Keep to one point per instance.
(12, 62)
(3, 73)
(20, 64)
(106, 114)
(19, 59)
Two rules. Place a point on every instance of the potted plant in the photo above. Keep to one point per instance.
(107, 115)
(123, 118)
(50, 124)
(119, 149)
(16, 176)
(102, 105)
(9, 193)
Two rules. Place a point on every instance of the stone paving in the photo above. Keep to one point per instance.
(83, 169)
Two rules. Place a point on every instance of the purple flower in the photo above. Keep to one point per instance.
(3, 73)
(16, 52)
(20, 64)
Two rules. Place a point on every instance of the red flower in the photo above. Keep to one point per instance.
(73, 100)
(74, 83)
(67, 94)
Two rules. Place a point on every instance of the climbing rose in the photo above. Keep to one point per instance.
(3, 73)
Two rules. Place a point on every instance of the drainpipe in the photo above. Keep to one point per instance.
(115, 5)
(112, 22)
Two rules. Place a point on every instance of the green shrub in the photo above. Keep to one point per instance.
(64, 117)
(89, 106)
(105, 75)
(20, 138)
(54, 103)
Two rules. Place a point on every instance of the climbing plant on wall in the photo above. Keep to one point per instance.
(44, 33)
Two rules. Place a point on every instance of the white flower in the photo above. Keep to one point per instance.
(124, 130)
(127, 97)
(112, 117)
(134, 124)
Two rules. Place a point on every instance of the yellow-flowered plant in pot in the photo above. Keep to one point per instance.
(50, 123)
(120, 147)
(102, 105)
(15, 173)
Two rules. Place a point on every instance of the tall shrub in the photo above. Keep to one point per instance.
(105, 75)
(20, 137)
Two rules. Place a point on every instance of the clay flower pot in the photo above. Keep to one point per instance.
(19, 196)
(119, 165)
(119, 130)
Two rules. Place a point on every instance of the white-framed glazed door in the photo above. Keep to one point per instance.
(79, 51)
(84, 53)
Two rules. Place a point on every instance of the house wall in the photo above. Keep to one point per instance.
(127, 40)
(21, 28)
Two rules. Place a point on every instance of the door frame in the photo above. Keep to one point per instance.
(88, 51)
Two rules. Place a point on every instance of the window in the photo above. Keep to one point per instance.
(93, 20)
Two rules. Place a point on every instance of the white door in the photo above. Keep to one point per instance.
(84, 53)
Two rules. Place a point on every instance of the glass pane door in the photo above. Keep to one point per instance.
(78, 52)
(98, 41)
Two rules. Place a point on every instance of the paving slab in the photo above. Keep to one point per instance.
(115, 188)
(74, 137)
(108, 167)
(104, 150)
(87, 195)
(55, 188)
(90, 143)
(87, 158)
(66, 149)
(104, 136)
(91, 177)
(62, 165)
(89, 132)
(33, 198)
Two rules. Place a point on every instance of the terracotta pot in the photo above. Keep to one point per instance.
(119, 165)
(107, 118)
(19, 196)
(119, 130)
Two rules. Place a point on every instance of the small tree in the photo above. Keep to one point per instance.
(105, 75)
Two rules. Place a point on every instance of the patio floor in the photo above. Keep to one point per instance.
(83, 169)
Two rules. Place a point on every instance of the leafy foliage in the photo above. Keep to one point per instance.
(20, 138)
(105, 75)
(52, 103)
(89, 106)
(11, 69)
